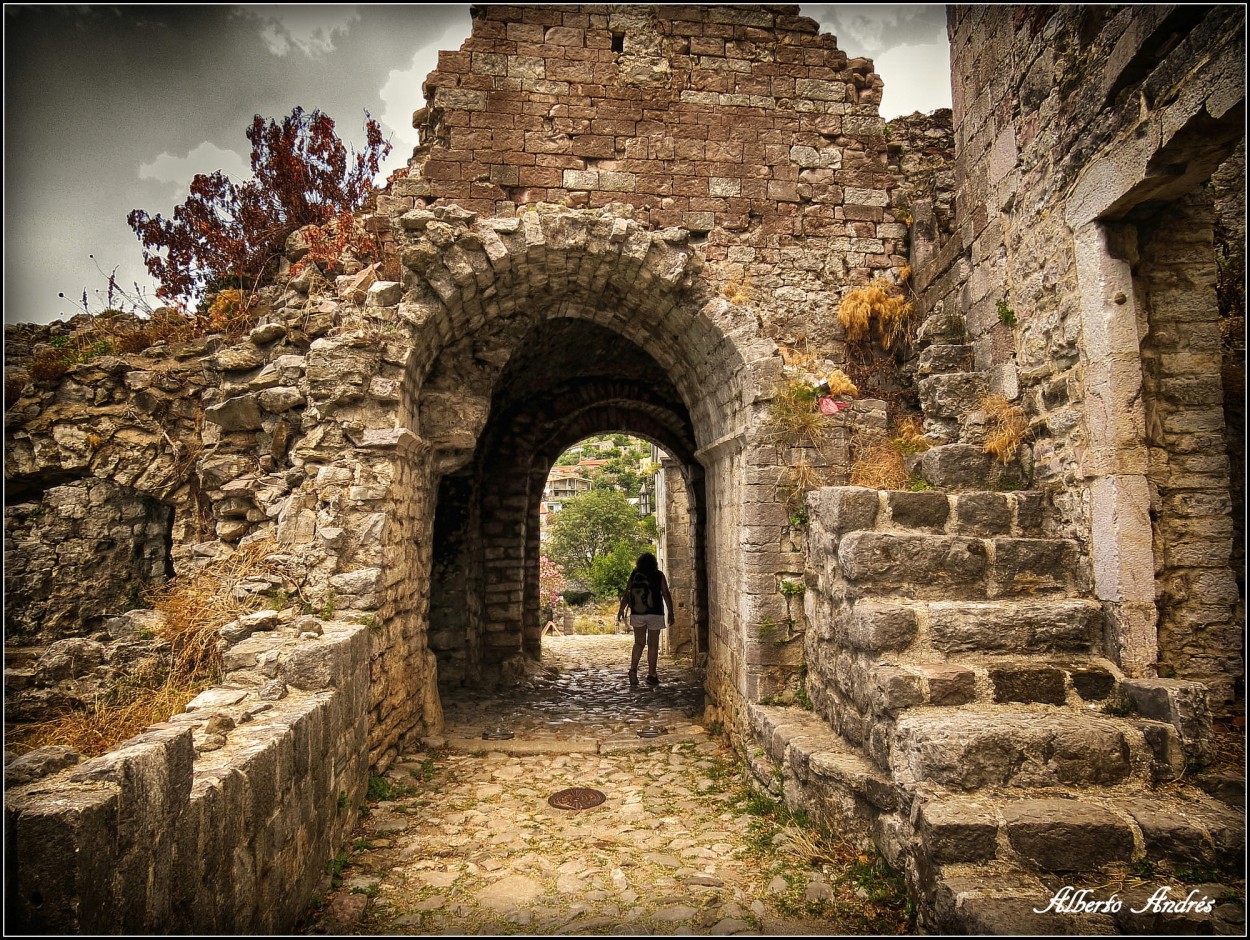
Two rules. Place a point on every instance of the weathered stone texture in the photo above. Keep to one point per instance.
(1049, 148)
(151, 837)
(90, 531)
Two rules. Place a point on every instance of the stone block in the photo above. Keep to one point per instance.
(1166, 750)
(948, 684)
(1067, 835)
(844, 509)
(982, 514)
(966, 831)
(879, 626)
(918, 510)
(1043, 684)
(241, 413)
(1043, 625)
(970, 750)
(951, 466)
(39, 763)
(893, 688)
(924, 563)
(941, 359)
(941, 329)
(279, 399)
(952, 395)
(1030, 512)
(1170, 835)
(1178, 702)
(1027, 566)
(1092, 683)
(384, 294)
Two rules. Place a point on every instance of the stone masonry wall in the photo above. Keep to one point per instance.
(676, 559)
(168, 835)
(1200, 635)
(84, 532)
(1064, 120)
(740, 125)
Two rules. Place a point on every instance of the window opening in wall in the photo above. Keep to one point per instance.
(597, 514)
(618, 42)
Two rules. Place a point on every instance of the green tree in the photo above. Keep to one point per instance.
(592, 526)
(610, 572)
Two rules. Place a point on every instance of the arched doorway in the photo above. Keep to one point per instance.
(530, 335)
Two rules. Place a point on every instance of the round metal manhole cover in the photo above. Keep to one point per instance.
(576, 798)
(651, 731)
(497, 734)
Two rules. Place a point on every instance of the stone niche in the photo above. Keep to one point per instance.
(77, 553)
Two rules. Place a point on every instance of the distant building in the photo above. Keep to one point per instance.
(564, 483)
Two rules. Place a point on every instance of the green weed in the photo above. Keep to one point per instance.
(1006, 316)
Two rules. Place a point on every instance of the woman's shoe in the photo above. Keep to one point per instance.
(653, 680)
(633, 677)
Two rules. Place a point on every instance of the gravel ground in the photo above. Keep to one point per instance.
(466, 843)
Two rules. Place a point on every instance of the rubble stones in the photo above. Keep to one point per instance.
(240, 413)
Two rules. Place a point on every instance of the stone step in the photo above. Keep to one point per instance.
(891, 687)
(943, 359)
(1016, 746)
(952, 394)
(1002, 899)
(943, 567)
(846, 509)
(1081, 833)
(968, 466)
(1040, 625)
(941, 329)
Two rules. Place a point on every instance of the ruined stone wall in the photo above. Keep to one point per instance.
(88, 532)
(166, 835)
(1064, 120)
(740, 125)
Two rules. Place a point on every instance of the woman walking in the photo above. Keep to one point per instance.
(646, 594)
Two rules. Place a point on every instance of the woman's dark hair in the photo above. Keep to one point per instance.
(647, 563)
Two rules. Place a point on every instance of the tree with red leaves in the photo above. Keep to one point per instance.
(233, 234)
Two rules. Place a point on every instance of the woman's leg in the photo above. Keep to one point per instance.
(653, 650)
(640, 640)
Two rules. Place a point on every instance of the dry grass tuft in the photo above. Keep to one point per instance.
(793, 417)
(194, 608)
(879, 464)
(737, 289)
(1008, 427)
(796, 483)
(909, 435)
(840, 384)
(108, 722)
(882, 304)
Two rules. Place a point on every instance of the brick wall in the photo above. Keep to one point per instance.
(741, 125)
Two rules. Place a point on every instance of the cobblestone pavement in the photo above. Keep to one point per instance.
(466, 843)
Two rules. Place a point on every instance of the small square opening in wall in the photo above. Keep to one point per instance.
(618, 42)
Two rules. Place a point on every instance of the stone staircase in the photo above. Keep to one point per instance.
(965, 719)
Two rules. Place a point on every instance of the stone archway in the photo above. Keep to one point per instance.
(650, 349)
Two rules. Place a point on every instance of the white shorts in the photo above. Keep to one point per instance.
(650, 621)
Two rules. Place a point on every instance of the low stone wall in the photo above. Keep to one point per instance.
(218, 821)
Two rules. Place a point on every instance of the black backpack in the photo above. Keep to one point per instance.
(641, 596)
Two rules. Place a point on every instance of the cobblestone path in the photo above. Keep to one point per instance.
(466, 843)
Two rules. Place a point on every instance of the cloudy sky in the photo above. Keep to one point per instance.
(109, 109)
